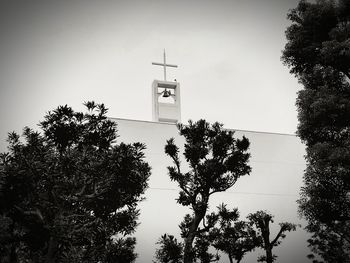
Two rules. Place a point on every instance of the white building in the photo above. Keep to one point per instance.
(277, 167)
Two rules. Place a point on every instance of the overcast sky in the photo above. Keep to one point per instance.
(68, 52)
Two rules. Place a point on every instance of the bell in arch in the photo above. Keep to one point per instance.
(166, 93)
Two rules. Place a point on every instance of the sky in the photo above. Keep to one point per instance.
(67, 52)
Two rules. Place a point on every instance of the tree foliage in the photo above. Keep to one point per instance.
(318, 53)
(319, 35)
(233, 237)
(70, 194)
(261, 220)
(216, 160)
(170, 251)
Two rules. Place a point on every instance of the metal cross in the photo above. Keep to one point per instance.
(164, 64)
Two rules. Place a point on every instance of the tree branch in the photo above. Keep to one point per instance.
(278, 236)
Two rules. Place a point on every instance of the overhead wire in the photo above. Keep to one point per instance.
(229, 192)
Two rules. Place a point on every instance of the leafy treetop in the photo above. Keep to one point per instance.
(216, 160)
(66, 192)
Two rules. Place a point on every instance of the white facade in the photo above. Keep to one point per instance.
(277, 167)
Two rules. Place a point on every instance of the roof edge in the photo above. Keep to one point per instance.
(169, 123)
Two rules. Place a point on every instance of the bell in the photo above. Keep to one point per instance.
(166, 93)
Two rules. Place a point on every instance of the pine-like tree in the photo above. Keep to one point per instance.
(69, 194)
(216, 161)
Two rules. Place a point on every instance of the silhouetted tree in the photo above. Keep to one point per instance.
(201, 248)
(70, 194)
(319, 35)
(202, 241)
(216, 160)
(170, 251)
(261, 220)
(233, 237)
(318, 53)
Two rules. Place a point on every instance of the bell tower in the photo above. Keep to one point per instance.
(166, 97)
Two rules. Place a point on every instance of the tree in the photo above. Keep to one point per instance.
(201, 249)
(170, 250)
(324, 120)
(216, 160)
(203, 240)
(318, 53)
(329, 242)
(233, 237)
(70, 194)
(319, 35)
(261, 220)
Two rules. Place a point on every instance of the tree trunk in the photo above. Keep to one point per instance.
(51, 251)
(230, 258)
(266, 236)
(269, 258)
(198, 216)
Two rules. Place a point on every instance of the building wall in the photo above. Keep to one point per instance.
(277, 167)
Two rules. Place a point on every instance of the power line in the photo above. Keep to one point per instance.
(229, 192)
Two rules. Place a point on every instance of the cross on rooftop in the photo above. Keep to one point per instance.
(164, 64)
